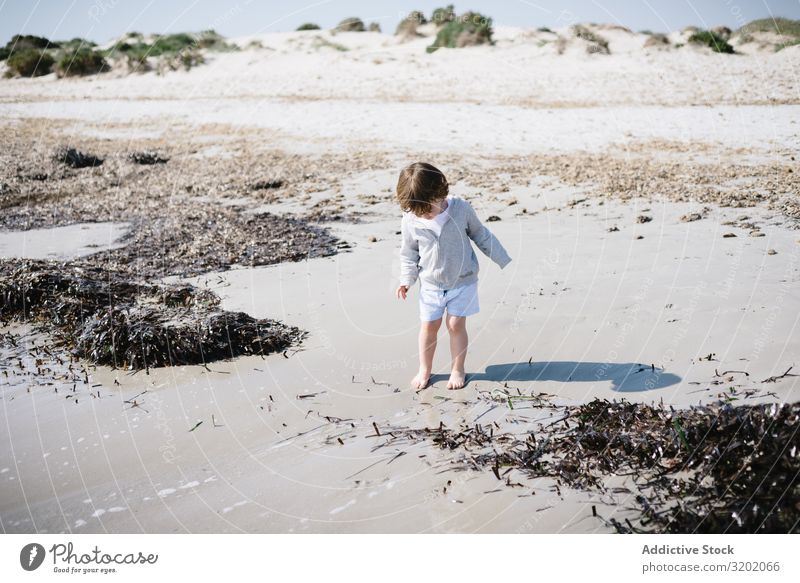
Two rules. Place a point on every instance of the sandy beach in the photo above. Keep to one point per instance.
(648, 199)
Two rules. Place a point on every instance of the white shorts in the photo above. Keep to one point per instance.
(459, 301)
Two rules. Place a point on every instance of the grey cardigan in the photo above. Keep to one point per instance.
(446, 261)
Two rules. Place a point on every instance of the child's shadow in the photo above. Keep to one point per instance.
(625, 377)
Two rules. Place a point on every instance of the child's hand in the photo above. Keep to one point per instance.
(401, 292)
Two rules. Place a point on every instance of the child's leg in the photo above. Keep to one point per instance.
(457, 326)
(427, 348)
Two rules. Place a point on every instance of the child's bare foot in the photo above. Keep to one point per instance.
(420, 381)
(457, 379)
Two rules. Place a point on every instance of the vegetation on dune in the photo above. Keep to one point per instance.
(171, 44)
(408, 25)
(351, 24)
(782, 26)
(76, 44)
(32, 56)
(722, 31)
(469, 29)
(787, 29)
(441, 16)
(656, 39)
(712, 40)
(597, 44)
(81, 62)
(174, 51)
(323, 43)
(308, 26)
(21, 42)
(29, 63)
(185, 59)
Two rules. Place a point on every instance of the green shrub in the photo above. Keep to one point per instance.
(81, 62)
(176, 51)
(30, 63)
(76, 44)
(543, 29)
(441, 16)
(137, 51)
(711, 40)
(469, 29)
(4, 53)
(21, 42)
(308, 26)
(351, 24)
(171, 43)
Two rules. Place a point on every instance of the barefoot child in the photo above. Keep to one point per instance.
(436, 231)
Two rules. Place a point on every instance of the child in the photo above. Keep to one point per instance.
(436, 231)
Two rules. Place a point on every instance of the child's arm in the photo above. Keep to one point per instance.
(409, 256)
(485, 240)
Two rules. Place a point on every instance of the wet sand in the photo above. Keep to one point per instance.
(584, 305)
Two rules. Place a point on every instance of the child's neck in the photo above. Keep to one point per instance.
(436, 209)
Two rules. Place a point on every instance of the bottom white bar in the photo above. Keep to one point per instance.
(401, 558)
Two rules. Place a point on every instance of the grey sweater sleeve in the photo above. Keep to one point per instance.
(409, 256)
(484, 239)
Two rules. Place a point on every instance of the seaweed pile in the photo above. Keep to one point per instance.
(75, 159)
(192, 239)
(147, 158)
(182, 222)
(709, 469)
(102, 315)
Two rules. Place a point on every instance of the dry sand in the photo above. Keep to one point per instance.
(574, 315)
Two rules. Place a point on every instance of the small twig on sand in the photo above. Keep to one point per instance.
(777, 378)
(723, 373)
(133, 399)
